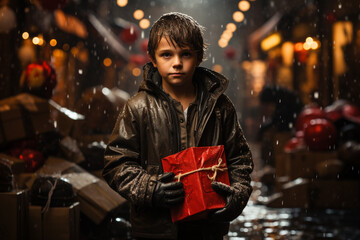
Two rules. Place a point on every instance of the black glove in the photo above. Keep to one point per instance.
(167, 194)
(234, 203)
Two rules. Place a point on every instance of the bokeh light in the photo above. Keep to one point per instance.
(138, 14)
(107, 62)
(144, 23)
(238, 16)
(122, 3)
(53, 42)
(231, 27)
(244, 6)
(25, 35)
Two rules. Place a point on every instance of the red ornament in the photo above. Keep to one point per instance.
(320, 135)
(39, 79)
(334, 111)
(294, 144)
(351, 112)
(130, 34)
(33, 159)
(138, 59)
(307, 115)
(230, 53)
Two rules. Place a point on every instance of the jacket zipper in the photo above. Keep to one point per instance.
(173, 115)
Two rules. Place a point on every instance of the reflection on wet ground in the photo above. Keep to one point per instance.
(258, 222)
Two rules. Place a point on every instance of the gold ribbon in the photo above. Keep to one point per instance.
(214, 168)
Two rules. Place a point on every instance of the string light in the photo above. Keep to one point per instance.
(25, 35)
(122, 3)
(244, 6)
(144, 23)
(238, 16)
(138, 14)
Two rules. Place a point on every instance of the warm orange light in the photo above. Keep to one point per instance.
(217, 68)
(136, 71)
(306, 46)
(314, 45)
(244, 6)
(35, 40)
(222, 42)
(231, 27)
(107, 62)
(122, 3)
(41, 40)
(238, 16)
(53, 42)
(144, 23)
(138, 14)
(25, 35)
(298, 46)
(271, 41)
(227, 35)
(309, 40)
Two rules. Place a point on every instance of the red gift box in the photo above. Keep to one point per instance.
(196, 168)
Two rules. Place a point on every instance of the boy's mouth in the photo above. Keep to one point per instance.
(176, 74)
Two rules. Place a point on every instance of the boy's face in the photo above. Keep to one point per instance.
(176, 65)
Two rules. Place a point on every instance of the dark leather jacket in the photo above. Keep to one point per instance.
(151, 127)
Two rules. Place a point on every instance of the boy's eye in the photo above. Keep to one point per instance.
(187, 54)
(166, 55)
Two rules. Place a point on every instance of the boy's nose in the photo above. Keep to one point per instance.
(177, 61)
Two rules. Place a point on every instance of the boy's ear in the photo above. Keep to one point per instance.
(152, 60)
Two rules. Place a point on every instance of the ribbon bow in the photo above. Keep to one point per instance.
(214, 168)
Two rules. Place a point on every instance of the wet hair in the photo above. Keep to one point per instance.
(180, 29)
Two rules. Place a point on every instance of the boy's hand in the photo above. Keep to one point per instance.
(168, 194)
(234, 204)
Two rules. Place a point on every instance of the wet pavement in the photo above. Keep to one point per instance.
(259, 222)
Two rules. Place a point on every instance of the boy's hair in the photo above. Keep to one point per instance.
(180, 29)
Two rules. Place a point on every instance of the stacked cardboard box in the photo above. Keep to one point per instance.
(23, 115)
(58, 223)
(97, 199)
(14, 207)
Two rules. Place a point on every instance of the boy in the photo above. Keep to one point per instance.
(179, 105)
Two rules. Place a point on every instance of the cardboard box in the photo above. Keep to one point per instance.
(342, 194)
(293, 194)
(14, 215)
(22, 116)
(37, 111)
(193, 167)
(11, 122)
(301, 163)
(97, 199)
(17, 167)
(57, 223)
(67, 122)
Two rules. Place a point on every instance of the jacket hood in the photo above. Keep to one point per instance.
(214, 83)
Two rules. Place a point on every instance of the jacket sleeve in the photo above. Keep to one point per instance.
(123, 171)
(238, 154)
